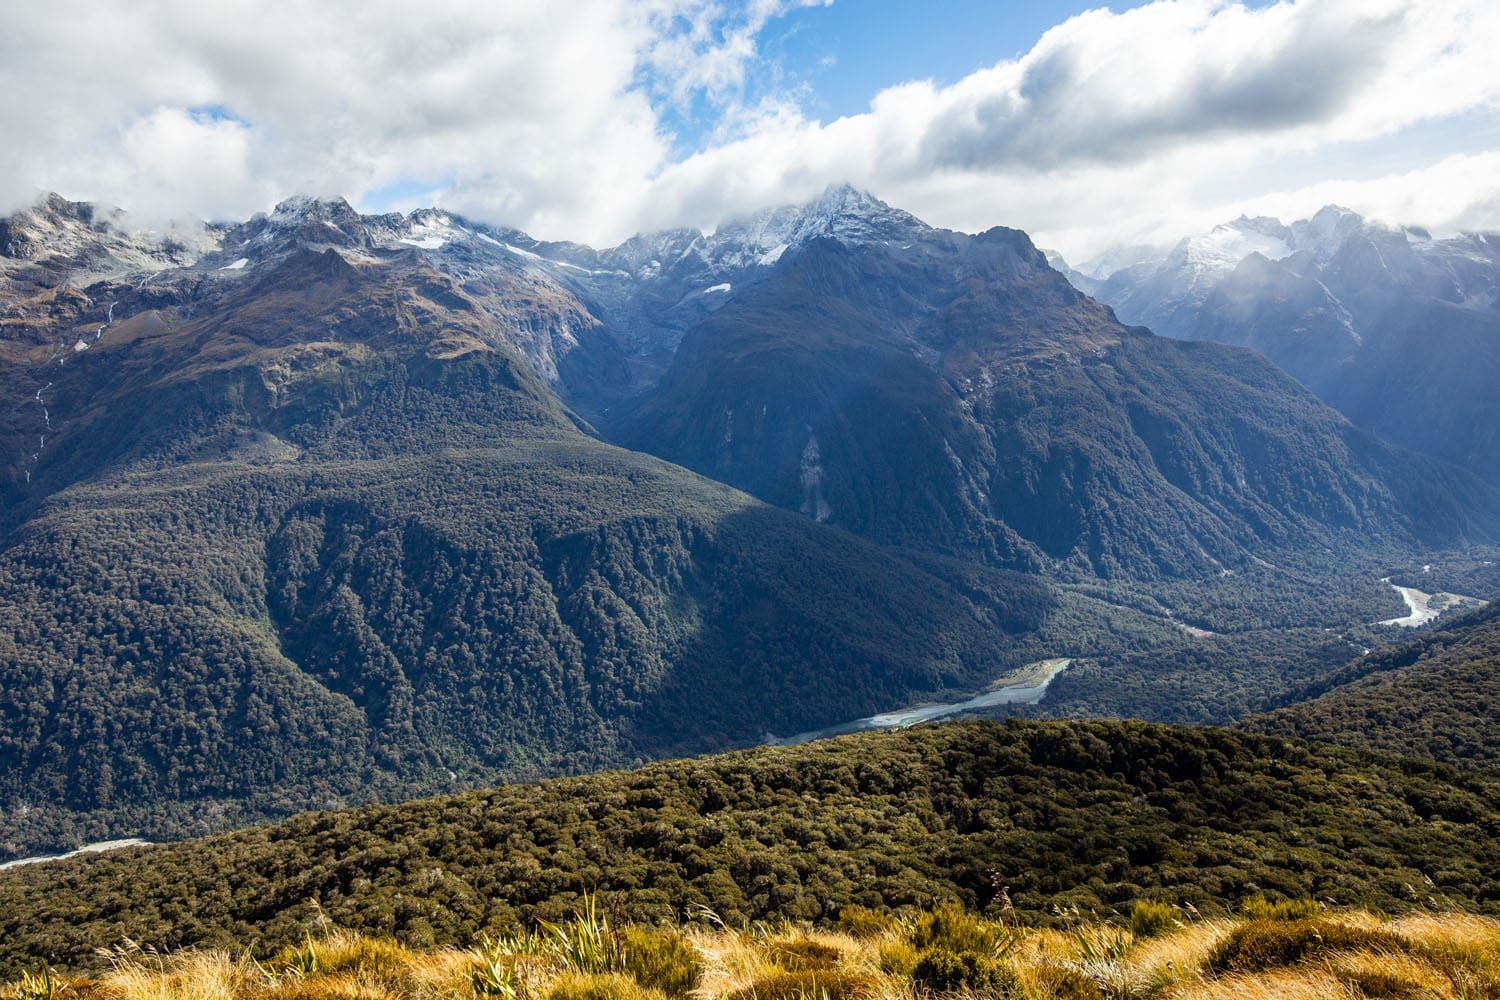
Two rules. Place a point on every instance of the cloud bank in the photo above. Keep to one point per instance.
(1113, 126)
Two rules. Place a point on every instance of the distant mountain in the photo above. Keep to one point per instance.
(301, 522)
(1397, 330)
(955, 393)
(1092, 815)
(1436, 695)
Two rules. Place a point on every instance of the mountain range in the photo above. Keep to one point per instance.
(1397, 330)
(321, 507)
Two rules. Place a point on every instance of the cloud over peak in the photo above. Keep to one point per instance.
(1111, 125)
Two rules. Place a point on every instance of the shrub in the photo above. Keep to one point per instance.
(601, 986)
(375, 959)
(661, 959)
(897, 958)
(863, 922)
(822, 984)
(1262, 908)
(1150, 918)
(1261, 945)
(940, 970)
(950, 926)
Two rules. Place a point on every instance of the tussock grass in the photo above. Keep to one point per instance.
(1281, 951)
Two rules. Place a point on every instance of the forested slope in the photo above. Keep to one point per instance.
(1092, 814)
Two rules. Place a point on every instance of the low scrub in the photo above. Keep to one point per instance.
(823, 984)
(1273, 944)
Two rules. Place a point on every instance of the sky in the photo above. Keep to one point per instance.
(1088, 125)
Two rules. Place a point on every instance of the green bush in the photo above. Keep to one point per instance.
(940, 970)
(601, 986)
(951, 927)
(863, 922)
(1150, 918)
(1272, 944)
(661, 959)
(897, 958)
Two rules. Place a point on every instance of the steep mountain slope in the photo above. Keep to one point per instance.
(308, 525)
(1399, 331)
(1437, 695)
(955, 393)
(1087, 814)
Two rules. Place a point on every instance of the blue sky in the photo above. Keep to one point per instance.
(849, 51)
(835, 58)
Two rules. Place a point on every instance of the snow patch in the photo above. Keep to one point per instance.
(238, 265)
(713, 289)
(772, 255)
(427, 242)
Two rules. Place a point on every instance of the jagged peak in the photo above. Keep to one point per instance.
(846, 198)
(301, 205)
(1335, 212)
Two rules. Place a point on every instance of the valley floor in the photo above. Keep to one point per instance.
(1287, 950)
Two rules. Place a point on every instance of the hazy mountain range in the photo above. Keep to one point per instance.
(1397, 330)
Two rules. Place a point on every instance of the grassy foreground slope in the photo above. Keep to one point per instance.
(1087, 815)
(1436, 695)
(1286, 951)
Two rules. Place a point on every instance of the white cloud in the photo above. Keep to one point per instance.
(1113, 126)
(1116, 126)
(525, 112)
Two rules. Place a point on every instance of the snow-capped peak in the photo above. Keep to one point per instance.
(841, 212)
(90, 241)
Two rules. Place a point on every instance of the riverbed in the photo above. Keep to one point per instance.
(1425, 607)
(99, 848)
(1029, 687)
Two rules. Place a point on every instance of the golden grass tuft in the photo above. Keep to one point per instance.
(600, 986)
(814, 984)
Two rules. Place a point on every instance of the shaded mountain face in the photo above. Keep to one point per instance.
(956, 393)
(309, 525)
(1437, 695)
(1399, 331)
